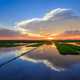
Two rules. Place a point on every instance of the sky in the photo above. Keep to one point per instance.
(13, 11)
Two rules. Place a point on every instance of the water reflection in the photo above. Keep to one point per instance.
(20, 69)
(44, 52)
(51, 54)
(9, 53)
(42, 63)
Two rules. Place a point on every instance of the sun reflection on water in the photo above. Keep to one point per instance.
(24, 49)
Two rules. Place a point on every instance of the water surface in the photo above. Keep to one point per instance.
(41, 63)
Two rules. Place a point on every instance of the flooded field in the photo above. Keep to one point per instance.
(37, 63)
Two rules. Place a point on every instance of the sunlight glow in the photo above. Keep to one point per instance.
(53, 45)
(50, 38)
(24, 49)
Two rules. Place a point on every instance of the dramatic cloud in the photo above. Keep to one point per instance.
(54, 21)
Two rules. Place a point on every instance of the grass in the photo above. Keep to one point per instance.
(14, 43)
(28, 43)
(67, 48)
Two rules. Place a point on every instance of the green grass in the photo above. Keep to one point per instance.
(67, 48)
(14, 43)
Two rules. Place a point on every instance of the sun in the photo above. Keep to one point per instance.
(50, 38)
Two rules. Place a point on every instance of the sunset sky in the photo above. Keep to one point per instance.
(42, 17)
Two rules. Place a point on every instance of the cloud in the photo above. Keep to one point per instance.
(7, 32)
(45, 62)
(54, 21)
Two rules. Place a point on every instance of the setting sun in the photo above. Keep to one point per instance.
(50, 38)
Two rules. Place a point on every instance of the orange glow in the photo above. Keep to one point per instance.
(31, 36)
(50, 38)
